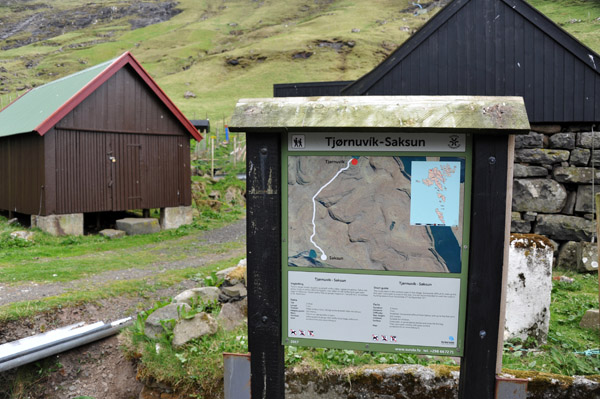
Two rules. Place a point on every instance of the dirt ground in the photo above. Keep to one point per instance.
(99, 369)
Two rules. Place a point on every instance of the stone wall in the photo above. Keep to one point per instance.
(419, 382)
(556, 172)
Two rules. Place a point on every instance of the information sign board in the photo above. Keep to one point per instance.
(375, 241)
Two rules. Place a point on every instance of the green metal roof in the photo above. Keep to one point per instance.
(30, 110)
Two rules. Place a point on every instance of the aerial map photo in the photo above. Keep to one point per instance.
(376, 212)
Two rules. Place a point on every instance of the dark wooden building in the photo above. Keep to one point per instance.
(103, 139)
(492, 48)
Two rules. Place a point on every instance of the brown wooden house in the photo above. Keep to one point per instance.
(103, 139)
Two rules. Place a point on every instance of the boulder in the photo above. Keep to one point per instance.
(591, 319)
(137, 226)
(528, 288)
(577, 175)
(538, 195)
(233, 314)
(222, 274)
(201, 294)
(22, 235)
(541, 156)
(519, 225)
(153, 326)
(585, 198)
(580, 157)
(531, 140)
(529, 171)
(588, 140)
(235, 291)
(587, 257)
(565, 228)
(188, 329)
(112, 233)
(567, 256)
(562, 140)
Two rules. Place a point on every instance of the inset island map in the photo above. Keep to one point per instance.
(376, 212)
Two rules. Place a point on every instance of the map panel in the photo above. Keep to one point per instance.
(356, 212)
(435, 193)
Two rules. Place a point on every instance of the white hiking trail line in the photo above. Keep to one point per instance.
(323, 256)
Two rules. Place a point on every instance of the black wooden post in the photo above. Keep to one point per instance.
(478, 366)
(263, 207)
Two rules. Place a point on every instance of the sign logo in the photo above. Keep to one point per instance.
(454, 142)
(298, 141)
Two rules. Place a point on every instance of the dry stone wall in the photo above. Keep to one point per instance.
(556, 173)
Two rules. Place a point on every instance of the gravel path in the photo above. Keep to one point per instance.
(232, 233)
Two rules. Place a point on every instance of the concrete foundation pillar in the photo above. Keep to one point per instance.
(59, 225)
(172, 218)
(528, 287)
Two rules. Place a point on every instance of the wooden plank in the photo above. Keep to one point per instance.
(382, 112)
(558, 94)
(529, 69)
(490, 164)
(519, 83)
(263, 210)
(538, 76)
(549, 79)
(578, 90)
(507, 222)
(589, 97)
(569, 75)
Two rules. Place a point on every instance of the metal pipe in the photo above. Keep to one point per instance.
(107, 330)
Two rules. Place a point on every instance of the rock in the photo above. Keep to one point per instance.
(201, 294)
(235, 291)
(222, 274)
(153, 327)
(591, 319)
(200, 325)
(588, 140)
(234, 195)
(541, 156)
(112, 233)
(576, 175)
(530, 216)
(215, 195)
(137, 226)
(562, 140)
(567, 256)
(538, 195)
(587, 257)
(531, 140)
(233, 314)
(529, 284)
(355, 30)
(569, 204)
(236, 276)
(580, 157)
(529, 171)
(595, 158)
(547, 129)
(518, 225)
(22, 235)
(176, 216)
(189, 94)
(565, 228)
(13, 221)
(585, 198)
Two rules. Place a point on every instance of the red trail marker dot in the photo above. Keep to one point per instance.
(355, 162)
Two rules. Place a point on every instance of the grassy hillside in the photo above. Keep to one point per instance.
(225, 50)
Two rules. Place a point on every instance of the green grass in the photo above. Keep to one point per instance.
(564, 351)
(134, 288)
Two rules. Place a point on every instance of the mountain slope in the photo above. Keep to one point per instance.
(223, 50)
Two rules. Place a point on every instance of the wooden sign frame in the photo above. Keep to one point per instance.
(490, 120)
